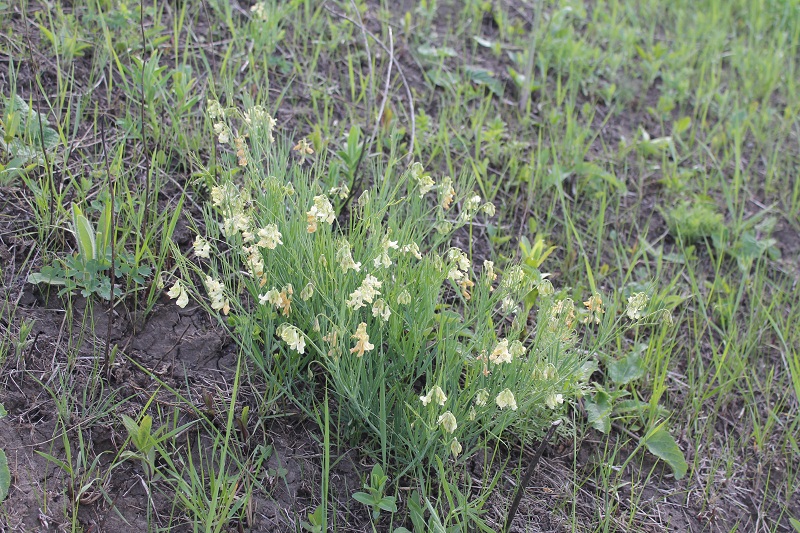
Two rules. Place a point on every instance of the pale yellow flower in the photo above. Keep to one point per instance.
(447, 192)
(488, 208)
(404, 298)
(471, 206)
(553, 400)
(178, 291)
(214, 109)
(546, 288)
(364, 293)
(362, 338)
(223, 132)
(436, 395)
(383, 260)
(322, 211)
(500, 354)
(236, 223)
(448, 422)
(281, 300)
(425, 182)
(516, 349)
(307, 292)
(303, 147)
(201, 247)
(506, 399)
(381, 309)
(343, 191)
(488, 270)
(292, 336)
(508, 306)
(412, 249)
(259, 9)
(269, 237)
(257, 116)
(344, 256)
(481, 397)
(459, 258)
(514, 278)
(636, 303)
(255, 264)
(455, 447)
(215, 291)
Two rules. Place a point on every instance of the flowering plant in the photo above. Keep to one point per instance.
(425, 354)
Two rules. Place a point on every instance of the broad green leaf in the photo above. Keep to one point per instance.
(2, 411)
(598, 410)
(5, 476)
(49, 275)
(441, 78)
(682, 125)
(663, 445)
(387, 503)
(795, 524)
(363, 497)
(84, 233)
(486, 43)
(626, 369)
(482, 76)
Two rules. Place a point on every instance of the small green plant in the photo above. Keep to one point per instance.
(374, 496)
(692, 221)
(144, 442)
(316, 521)
(88, 268)
(24, 133)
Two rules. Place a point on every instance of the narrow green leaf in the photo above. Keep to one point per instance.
(663, 445)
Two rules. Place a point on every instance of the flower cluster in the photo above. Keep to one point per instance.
(216, 294)
(366, 292)
(436, 395)
(425, 182)
(201, 247)
(259, 9)
(505, 352)
(506, 399)
(636, 304)
(269, 237)
(362, 340)
(381, 309)
(344, 257)
(179, 291)
(321, 211)
(594, 305)
(411, 248)
(446, 192)
(459, 271)
(258, 117)
(383, 259)
(292, 336)
(281, 300)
